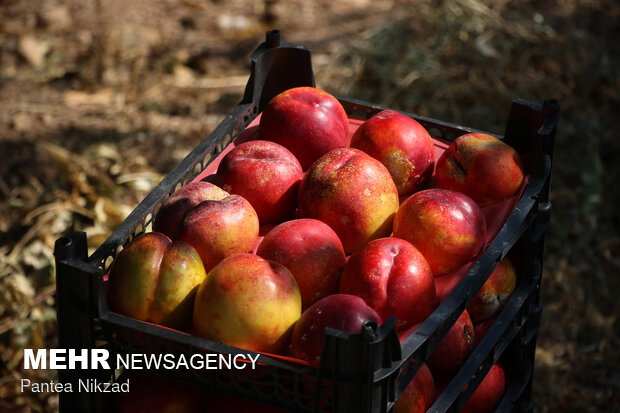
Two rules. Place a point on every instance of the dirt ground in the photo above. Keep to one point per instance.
(100, 99)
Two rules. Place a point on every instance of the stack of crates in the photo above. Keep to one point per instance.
(364, 372)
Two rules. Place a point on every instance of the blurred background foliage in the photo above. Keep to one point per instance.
(100, 99)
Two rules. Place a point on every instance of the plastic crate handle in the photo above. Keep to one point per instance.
(275, 67)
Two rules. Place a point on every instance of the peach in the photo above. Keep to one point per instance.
(311, 251)
(218, 229)
(489, 392)
(266, 174)
(307, 121)
(482, 328)
(393, 278)
(481, 166)
(452, 351)
(248, 302)
(339, 311)
(495, 292)
(447, 227)
(351, 192)
(154, 279)
(170, 215)
(401, 144)
(446, 283)
(419, 394)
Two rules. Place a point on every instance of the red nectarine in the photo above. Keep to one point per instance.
(446, 226)
(307, 121)
(351, 192)
(401, 144)
(264, 173)
(311, 251)
(248, 302)
(393, 278)
(481, 166)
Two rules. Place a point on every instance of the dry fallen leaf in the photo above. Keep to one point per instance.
(37, 255)
(183, 75)
(16, 291)
(57, 17)
(110, 213)
(33, 49)
(22, 121)
(75, 98)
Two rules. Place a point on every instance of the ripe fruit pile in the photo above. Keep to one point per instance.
(310, 223)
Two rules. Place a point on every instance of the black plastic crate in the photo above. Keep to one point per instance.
(363, 372)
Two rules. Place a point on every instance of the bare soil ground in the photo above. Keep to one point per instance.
(100, 99)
